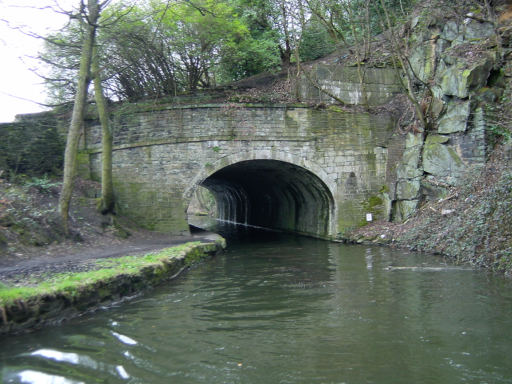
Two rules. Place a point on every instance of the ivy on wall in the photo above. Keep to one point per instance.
(31, 147)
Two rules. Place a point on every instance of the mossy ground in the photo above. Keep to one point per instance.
(46, 299)
(108, 268)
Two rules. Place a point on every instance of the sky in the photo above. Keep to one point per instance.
(20, 88)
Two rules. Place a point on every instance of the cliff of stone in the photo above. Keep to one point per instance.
(453, 189)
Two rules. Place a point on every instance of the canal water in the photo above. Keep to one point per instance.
(276, 308)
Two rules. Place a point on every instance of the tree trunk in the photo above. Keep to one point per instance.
(106, 204)
(77, 117)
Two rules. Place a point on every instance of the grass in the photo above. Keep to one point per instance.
(71, 283)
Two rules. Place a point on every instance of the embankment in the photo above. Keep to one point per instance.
(57, 297)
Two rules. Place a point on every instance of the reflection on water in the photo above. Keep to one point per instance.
(43, 378)
(283, 309)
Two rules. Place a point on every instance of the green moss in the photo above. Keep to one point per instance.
(374, 205)
(384, 189)
(373, 201)
(436, 139)
(84, 165)
(336, 109)
(350, 214)
(72, 284)
(193, 256)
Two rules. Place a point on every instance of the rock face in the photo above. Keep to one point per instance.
(453, 58)
(455, 119)
(450, 58)
(409, 173)
(441, 160)
(461, 78)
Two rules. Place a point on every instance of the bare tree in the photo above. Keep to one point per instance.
(106, 204)
(89, 15)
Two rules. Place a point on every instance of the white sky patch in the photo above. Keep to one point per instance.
(20, 88)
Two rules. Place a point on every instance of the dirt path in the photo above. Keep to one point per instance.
(79, 257)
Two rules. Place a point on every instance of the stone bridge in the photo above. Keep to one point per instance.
(315, 171)
(311, 171)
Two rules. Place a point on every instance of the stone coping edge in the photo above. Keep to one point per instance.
(52, 308)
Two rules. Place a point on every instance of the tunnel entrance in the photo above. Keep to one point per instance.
(271, 194)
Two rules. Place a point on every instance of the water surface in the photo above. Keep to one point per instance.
(276, 308)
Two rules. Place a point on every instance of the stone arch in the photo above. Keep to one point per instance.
(298, 195)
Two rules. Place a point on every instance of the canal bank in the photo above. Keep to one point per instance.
(53, 297)
(470, 225)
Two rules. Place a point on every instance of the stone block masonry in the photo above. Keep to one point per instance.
(160, 157)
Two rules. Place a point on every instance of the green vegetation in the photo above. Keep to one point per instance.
(71, 283)
(24, 218)
(43, 184)
(499, 115)
(156, 49)
(31, 146)
(43, 299)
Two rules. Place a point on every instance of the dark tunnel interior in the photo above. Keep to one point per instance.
(272, 194)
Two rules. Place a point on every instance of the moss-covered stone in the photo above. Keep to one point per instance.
(408, 168)
(380, 84)
(408, 189)
(374, 205)
(454, 83)
(450, 31)
(436, 139)
(404, 209)
(432, 190)
(413, 140)
(442, 161)
(455, 119)
(459, 79)
(351, 215)
(421, 60)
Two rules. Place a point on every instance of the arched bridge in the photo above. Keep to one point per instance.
(311, 171)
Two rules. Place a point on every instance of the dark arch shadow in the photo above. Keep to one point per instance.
(272, 194)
